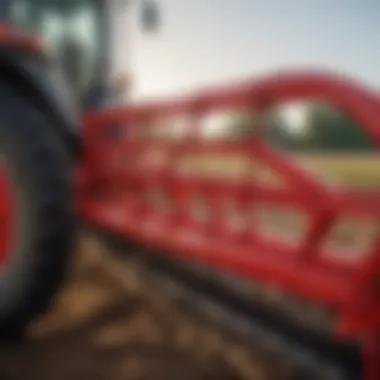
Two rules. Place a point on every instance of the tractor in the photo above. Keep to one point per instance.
(70, 151)
(80, 36)
(56, 63)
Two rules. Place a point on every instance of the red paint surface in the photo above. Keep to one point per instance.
(6, 218)
(117, 174)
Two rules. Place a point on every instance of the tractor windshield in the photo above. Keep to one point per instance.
(73, 31)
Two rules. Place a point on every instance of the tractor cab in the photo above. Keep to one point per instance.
(80, 35)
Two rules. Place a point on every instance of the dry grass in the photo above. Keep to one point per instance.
(360, 170)
(345, 170)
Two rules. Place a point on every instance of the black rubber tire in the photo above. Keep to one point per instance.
(39, 170)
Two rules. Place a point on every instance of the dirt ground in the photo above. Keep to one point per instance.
(110, 323)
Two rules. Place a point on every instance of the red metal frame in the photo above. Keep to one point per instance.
(7, 217)
(117, 173)
(14, 38)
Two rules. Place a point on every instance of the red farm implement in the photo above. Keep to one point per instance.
(142, 173)
(137, 179)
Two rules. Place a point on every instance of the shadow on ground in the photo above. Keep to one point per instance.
(75, 354)
(100, 329)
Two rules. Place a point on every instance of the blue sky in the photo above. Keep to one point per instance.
(202, 42)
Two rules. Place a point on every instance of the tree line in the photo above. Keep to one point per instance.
(326, 129)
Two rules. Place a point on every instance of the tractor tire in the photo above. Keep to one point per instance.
(36, 246)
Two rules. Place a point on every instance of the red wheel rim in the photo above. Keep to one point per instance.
(6, 217)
